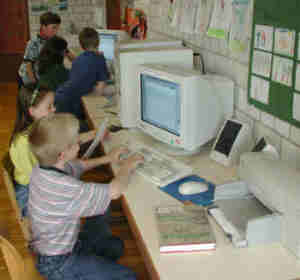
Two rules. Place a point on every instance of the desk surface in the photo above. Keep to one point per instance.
(226, 262)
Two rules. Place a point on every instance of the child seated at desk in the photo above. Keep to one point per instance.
(49, 26)
(32, 105)
(89, 72)
(58, 199)
(51, 69)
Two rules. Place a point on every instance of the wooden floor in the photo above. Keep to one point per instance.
(132, 258)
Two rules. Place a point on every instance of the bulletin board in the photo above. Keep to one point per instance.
(274, 65)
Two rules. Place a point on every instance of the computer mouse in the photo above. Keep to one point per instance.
(192, 187)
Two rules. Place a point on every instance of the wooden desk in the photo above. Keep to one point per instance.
(262, 262)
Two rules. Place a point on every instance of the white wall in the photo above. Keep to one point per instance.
(80, 13)
(219, 59)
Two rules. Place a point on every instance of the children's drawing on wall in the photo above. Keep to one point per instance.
(296, 106)
(263, 37)
(282, 70)
(135, 23)
(220, 20)
(189, 16)
(297, 78)
(171, 11)
(299, 46)
(203, 15)
(260, 89)
(177, 7)
(238, 40)
(261, 63)
(284, 41)
(41, 6)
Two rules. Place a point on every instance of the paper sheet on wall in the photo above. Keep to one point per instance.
(220, 20)
(260, 89)
(297, 78)
(240, 23)
(261, 63)
(42, 6)
(299, 46)
(284, 41)
(282, 70)
(296, 107)
(263, 37)
(203, 16)
(188, 18)
(171, 11)
(177, 11)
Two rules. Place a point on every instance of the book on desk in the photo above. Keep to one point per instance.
(184, 228)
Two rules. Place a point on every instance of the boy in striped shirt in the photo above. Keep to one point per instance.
(58, 199)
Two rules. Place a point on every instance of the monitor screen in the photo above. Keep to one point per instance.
(160, 103)
(107, 45)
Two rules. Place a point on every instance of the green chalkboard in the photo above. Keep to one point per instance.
(274, 65)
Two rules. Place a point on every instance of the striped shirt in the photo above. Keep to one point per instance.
(57, 201)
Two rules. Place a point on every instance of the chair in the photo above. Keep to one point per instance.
(19, 268)
(7, 171)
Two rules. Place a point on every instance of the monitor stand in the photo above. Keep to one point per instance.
(174, 151)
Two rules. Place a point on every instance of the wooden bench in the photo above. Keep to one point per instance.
(7, 172)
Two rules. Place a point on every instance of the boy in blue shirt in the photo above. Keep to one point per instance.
(88, 73)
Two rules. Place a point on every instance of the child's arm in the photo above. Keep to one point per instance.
(70, 55)
(29, 70)
(87, 136)
(99, 88)
(112, 157)
(120, 183)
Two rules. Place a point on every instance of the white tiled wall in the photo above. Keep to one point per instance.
(219, 59)
(80, 13)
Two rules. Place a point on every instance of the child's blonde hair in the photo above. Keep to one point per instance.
(52, 135)
(27, 98)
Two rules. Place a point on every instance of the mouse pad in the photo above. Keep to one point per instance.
(204, 198)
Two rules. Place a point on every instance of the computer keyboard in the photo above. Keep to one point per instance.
(157, 167)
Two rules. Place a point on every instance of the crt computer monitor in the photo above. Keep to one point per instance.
(181, 107)
(129, 60)
(109, 40)
(108, 45)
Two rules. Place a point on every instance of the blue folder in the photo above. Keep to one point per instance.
(204, 198)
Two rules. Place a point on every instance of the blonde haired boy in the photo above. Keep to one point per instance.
(58, 199)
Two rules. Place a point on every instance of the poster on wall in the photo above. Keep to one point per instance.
(238, 38)
(42, 6)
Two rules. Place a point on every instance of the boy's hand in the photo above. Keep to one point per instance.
(106, 135)
(121, 181)
(133, 161)
(87, 136)
(116, 153)
(70, 55)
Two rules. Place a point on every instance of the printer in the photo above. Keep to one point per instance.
(264, 206)
(277, 186)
